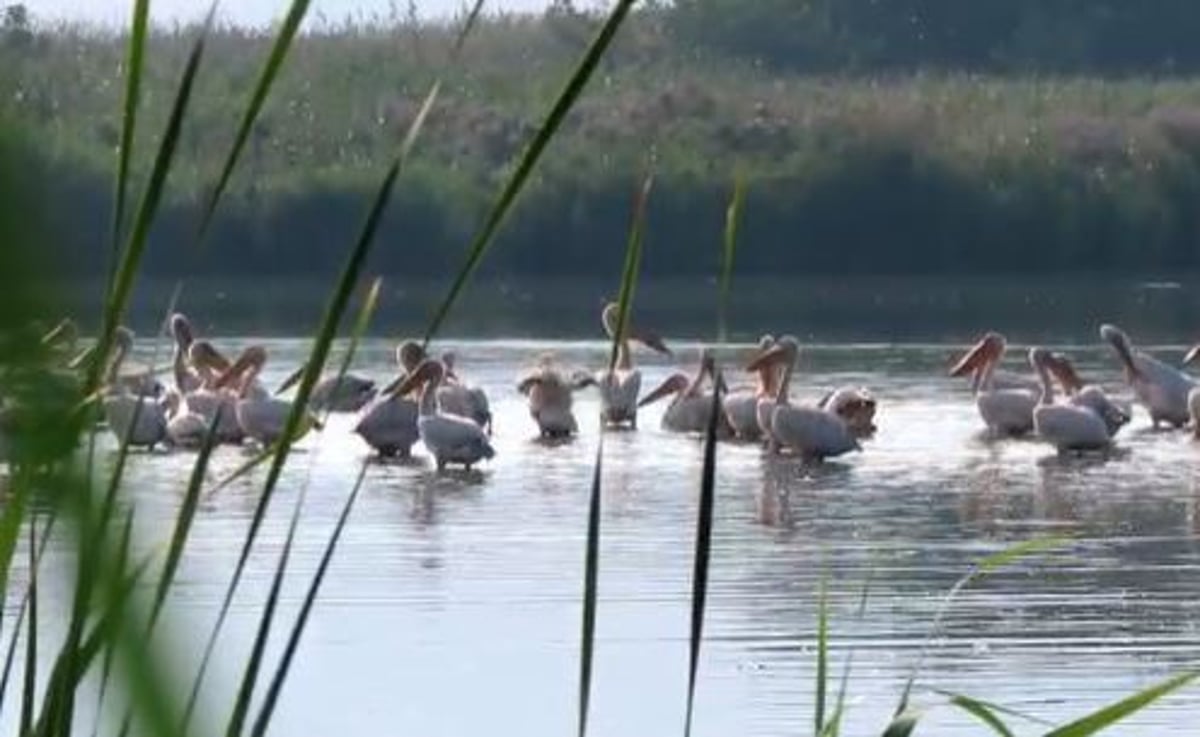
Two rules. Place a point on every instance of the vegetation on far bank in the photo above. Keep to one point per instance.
(899, 161)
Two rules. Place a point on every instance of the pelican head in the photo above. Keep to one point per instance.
(674, 384)
(1064, 372)
(181, 330)
(1120, 342)
(204, 355)
(987, 350)
(429, 371)
(409, 355)
(776, 353)
(448, 359)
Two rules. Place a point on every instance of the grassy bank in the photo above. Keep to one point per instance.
(911, 173)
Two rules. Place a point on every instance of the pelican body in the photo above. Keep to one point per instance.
(741, 408)
(1006, 409)
(1162, 389)
(389, 423)
(457, 398)
(450, 438)
(810, 432)
(551, 395)
(691, 406)
(263, 419)
(1068, 427)
(133, 418)
(620, 386)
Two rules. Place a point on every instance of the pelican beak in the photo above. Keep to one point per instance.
(672, 385)
(976, 358)
(406, 384)
(291, 380)
(1064, 371)
(773, 356)
(230, 376)
(651, 341)
(1192, 355)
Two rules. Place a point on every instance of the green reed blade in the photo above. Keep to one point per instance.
(266, 78)
(187, 514)
(822, 654)
(1113, 713)
(983, 712)
(704, 529)
(733, 219)
(981, 569)
(329, 322)
(833, 726)
(11, 518)
(591, 571)
(246, 691)
(272, 696)
(953, 697)
(495, 218)
(903, 724)
(109, 650)
(134, 58)
(632, 266)
(365, 313)
(135, 244)
(31, 635)
(23, 609)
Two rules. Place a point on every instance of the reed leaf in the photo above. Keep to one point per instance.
(266, 79)
(591, 572)
(822, 654)
(981, 569)
(953, 697)
(134, 59)
(109, 650)
(23, 608)
(330, 320)
(1113, 713)
(272, 696)
(833, 726)
(528, 161)
(135, 246)
(983, 712)
(903, 724)
(31, 636)
(703, 554)
(733, 219)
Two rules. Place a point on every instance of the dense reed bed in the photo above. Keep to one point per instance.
(55, 485)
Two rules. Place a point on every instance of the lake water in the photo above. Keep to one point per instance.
(453, 604)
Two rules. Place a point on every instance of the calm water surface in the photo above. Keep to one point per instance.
(452, 607)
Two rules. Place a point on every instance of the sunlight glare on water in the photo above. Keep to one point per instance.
(453, 604)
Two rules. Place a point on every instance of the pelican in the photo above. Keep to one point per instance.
(1005, 406)
(262, 418)
(389, 423)
(690, 409)
(855, 405)
(205, 400)
(620, 386)
(347, 393)
(1194, 395)
(741, 408)
(1092, 396)
(1068, 427)
(134, 418)
(456, 398)
(187, 378)
(550, 396)
(1163, 390)
(451, 438)
(811, 432)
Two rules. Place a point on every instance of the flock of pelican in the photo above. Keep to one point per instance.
(428, 402)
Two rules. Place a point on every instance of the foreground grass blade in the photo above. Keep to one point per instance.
(833, 727)
(733, 219)
(360, 328)
(495, 218)
(987, 565)
(822, 655)
(135, 246)
(133, 93)
(1110, 715)
(903, 724)
(272, 696)
(983, 712)
(704, 528)
(332, 317)
(591, 572)
(266, 79)
(31, 635)
(266, 620)
(632, 267)
(110, 651)
(23, 609)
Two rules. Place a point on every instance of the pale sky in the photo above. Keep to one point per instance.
(250, 12)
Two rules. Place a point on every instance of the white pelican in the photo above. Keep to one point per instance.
(389, 423)
(187, 378)
(450, 438)
(1065, 426)
(810, 432)
(619, 388)
(741, 407)
(1006, 407)
(209, 365)
(261, 418)
(1163, 390)
(1082, 394)
(131, 416)
(350, 393)
(550, 396)
(690, 409)
(855, 405)
(457, 398)
(1194, 394)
